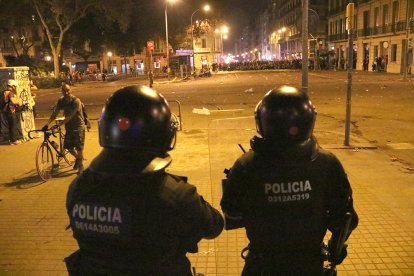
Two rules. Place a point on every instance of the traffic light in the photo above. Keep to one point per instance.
(410, 43)
(350, 16)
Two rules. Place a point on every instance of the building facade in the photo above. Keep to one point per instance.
(208, 37)
(380, 40)
(277, 33)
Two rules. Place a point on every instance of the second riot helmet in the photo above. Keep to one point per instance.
(285, 116)
(137, 117)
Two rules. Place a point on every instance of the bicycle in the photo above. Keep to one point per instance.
(49, 153)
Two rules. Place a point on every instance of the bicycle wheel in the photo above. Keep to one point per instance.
(68, 157)
(44, 162)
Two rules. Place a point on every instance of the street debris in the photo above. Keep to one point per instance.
(207, 252)
(206, 111)
(250, 90)
(201, 111)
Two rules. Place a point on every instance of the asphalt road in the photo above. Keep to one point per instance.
(381, 113)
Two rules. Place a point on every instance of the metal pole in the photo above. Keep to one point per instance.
(280, 53)
(315, 58)
(166, 38)
(305, 58)
(192, 44)
(222, 46)
(151, 73)
(287, 48)
(192, 38)
(406, 50)
(349, 80)
(316, 62)
(407, 38)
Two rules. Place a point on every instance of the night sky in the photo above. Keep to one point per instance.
(237, 13)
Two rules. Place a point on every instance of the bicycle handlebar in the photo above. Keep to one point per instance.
(47, 132)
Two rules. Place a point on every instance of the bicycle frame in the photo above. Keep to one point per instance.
(46, 139)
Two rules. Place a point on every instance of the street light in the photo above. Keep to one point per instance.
(408, 21)
(223, 31)
(206, 8)
(109, 54)
(315, 60)
(273, 44)
(407, 46)
(282, 31)
(166, 34)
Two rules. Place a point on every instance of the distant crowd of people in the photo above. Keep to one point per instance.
(379, 64)
(324, 63)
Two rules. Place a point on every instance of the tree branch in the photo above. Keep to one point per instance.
(48, 33)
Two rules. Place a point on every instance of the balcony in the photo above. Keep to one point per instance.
(381, 30)
(337, 37)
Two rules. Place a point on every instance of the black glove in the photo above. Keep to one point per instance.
(332, 255)
(45, 127)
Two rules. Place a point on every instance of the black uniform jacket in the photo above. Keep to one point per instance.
(287, 198)
(140, 223)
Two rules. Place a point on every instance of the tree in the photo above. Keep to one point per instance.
(85, 38)
(58, 16)
(21, 29)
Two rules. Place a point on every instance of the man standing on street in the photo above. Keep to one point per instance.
(11, 102)
(287, 192)
(129, 216)
(74, 124)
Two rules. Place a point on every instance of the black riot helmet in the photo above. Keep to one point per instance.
(285, 116)
(137, 118)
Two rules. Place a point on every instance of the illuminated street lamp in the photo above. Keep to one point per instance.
(223, 31)
(282, 31)
(276, 48)
(48, 58)
(206, 8)
(166, 33)
(109, 54)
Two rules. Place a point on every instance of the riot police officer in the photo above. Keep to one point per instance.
(287, 191)
(129, 216)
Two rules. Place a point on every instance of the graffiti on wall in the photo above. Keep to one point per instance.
(21, 75)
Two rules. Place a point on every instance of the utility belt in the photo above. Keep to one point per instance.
(250, 253)
(276, 262)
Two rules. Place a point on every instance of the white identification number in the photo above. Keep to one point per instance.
(95, 227)
(285, 198)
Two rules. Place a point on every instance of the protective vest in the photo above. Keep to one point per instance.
(138, 224)
(286, 200)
